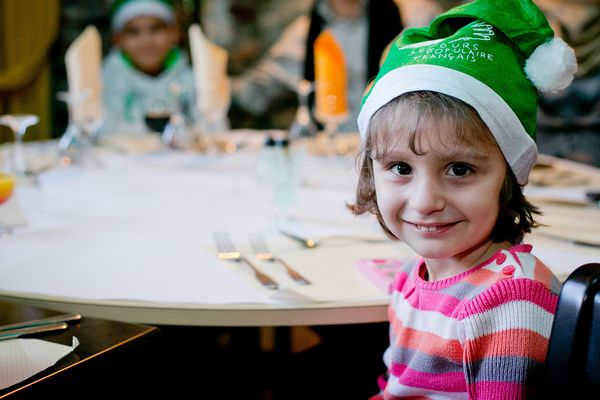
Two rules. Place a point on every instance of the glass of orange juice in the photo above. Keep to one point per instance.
(7, 187)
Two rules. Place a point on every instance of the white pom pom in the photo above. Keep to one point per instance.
(551, 66)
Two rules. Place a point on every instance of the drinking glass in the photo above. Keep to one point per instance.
(91, 125)
(157, 113)
(281, 169)
(331, 122)
(75, 144)
(19, 123)
(304, 124)
(7, 187)
(214, 121)
(166, 115)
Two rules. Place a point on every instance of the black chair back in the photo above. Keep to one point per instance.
(572, 369)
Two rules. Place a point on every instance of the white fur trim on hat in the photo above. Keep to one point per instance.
(551, 66)
(519, 149)
(138, 8)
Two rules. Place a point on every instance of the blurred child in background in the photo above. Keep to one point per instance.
(146, 73)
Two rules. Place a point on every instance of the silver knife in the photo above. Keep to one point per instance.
(41, 322)
(14, 333)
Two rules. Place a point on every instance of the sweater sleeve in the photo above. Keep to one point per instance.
(505, 332)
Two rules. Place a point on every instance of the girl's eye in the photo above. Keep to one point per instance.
(459, 169)
(402, 168)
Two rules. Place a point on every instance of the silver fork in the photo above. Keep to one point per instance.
(262, 252)
(226, 251)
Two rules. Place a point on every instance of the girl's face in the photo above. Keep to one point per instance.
(148, 41)
(443, 203)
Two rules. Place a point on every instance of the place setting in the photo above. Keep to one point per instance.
(285, 264)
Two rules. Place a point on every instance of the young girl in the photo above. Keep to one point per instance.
(448, 128)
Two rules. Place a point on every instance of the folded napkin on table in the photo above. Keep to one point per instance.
(83, 62)
(213, 87)
(23, 358)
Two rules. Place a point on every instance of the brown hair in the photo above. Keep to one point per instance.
(458, 124)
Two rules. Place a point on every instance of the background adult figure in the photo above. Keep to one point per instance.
(363, 28)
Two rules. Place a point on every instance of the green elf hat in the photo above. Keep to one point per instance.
(492, 54)
(122, 11)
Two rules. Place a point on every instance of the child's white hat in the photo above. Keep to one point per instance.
(124, 10)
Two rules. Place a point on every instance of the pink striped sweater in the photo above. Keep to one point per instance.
(482, 334)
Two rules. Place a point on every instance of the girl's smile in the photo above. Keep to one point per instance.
(432, 228)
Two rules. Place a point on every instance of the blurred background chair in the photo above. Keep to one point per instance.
(572, 368)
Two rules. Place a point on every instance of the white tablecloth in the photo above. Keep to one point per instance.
(139, 227)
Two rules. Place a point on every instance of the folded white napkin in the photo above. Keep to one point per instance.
(213, 87)
(23, 358)
(83, 62)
